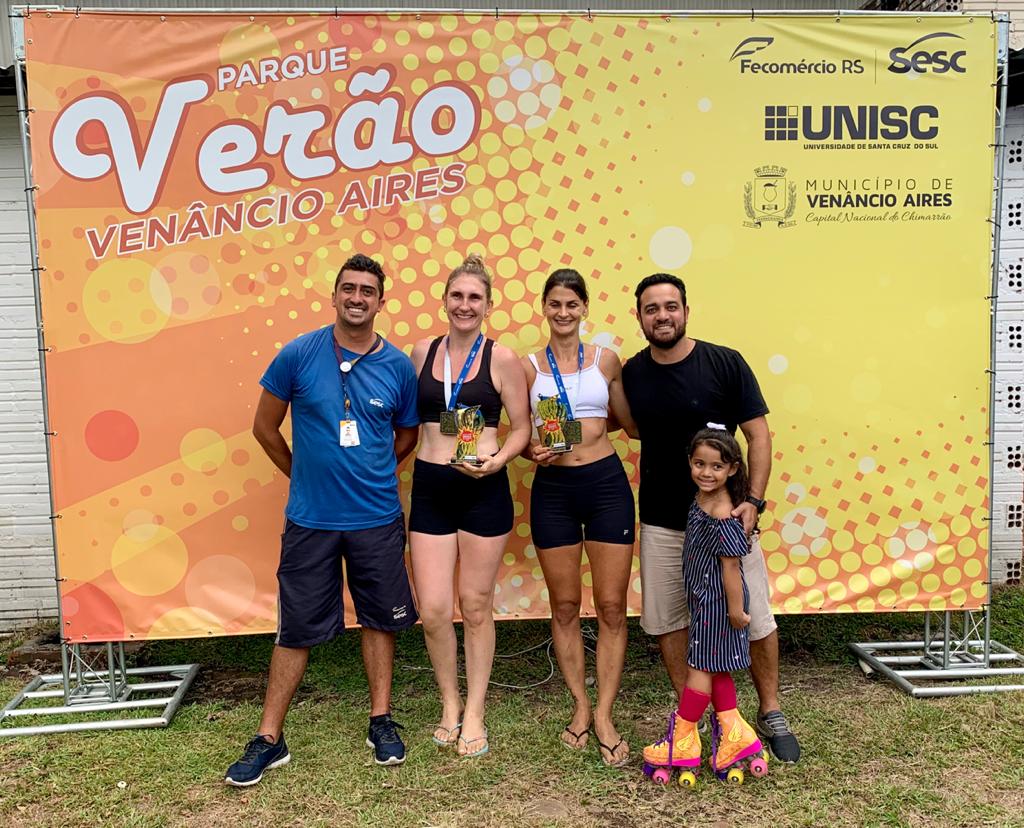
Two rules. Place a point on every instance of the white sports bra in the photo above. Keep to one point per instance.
(589, 400)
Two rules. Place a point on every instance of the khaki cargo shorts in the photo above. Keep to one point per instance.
(663, 591)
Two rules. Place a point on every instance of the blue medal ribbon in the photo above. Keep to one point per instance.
(452, 393)
(559, 384)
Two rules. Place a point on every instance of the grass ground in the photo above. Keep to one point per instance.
(872, 756)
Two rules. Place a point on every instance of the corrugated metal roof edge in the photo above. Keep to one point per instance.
(694, 7)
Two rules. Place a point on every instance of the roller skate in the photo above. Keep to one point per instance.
(679, 749)
(733, 743)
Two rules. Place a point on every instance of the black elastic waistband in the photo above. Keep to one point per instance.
(578, 475)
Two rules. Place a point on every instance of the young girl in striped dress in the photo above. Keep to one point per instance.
(717, 596)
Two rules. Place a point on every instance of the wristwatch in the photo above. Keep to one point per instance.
(758, 503)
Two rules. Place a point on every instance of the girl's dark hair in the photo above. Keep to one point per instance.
(568, 278)
(726, 445)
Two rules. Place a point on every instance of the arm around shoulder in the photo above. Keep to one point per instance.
(619, 414)
(419, 354)
(515, 399)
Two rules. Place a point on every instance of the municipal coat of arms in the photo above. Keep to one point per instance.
(769, 197)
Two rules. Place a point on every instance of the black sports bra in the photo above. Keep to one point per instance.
(478, 391)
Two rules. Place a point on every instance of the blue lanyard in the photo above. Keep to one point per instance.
(452, 394)
(557, 375)
(346, 365)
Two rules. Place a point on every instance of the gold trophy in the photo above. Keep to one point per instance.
(557, 432)
(470, 423)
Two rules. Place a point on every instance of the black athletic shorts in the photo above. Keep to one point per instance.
(309, 605)
(445, 501)
(570, 503)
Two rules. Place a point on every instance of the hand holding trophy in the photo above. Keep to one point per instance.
(469, 422)
(554, 418)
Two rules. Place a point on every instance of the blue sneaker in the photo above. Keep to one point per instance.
(383, 737)
(260, 755)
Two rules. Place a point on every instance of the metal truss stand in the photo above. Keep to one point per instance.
(96, 680)
(963, 652)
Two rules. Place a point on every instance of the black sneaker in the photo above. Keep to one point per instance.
(383, 737)
(260, 755)
(773, 729)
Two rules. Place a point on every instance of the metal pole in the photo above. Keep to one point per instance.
(988, 634)
(948, 614)
(20, 80)
(65, 668)
(111, 672)
(1003, 61)
(491, 11)
(1003, 64)
(122, 662)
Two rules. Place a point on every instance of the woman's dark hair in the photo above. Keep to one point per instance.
(568, 278)
(726, 445)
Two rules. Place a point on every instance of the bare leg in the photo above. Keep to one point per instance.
(433, 570)
(561, 567)
(287, 666)
(674, 646)
(378, 660)
(699, 680)
(764, 670)
(610, 565)
(479, 558)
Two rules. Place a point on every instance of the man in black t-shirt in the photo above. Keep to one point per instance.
(675, 387)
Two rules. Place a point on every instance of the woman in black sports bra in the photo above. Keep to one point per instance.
(463, 513)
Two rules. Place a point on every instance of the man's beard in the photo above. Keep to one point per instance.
(666, 344)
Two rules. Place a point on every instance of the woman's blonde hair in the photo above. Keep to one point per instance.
(472, 265)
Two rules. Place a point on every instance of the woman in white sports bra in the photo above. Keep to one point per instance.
(580, 495)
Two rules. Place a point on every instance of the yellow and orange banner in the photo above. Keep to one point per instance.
(823, 185)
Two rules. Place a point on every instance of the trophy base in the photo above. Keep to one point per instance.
(473, 461)
(561, 448)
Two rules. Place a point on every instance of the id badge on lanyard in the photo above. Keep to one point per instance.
(349, 434)
(348, 430)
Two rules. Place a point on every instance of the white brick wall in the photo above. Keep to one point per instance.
(1007, 525)
(26, 550)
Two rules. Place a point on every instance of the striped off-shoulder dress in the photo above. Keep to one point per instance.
(715, 646)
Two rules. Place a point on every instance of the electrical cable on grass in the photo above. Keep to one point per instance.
(589, 635)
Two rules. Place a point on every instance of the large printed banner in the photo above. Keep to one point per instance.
(822, 185)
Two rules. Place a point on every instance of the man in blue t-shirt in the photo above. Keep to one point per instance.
(353, 401)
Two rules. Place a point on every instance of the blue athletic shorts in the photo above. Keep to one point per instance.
(310, 609)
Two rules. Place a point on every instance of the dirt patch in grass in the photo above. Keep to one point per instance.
(227, 684)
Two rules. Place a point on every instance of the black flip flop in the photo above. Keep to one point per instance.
(576, 738)
(611, 751)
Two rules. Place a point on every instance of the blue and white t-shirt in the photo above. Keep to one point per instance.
(335, 487)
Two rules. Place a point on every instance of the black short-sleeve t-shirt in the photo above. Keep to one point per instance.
(671, 403)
